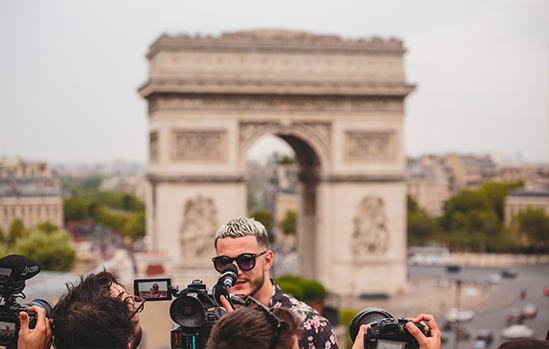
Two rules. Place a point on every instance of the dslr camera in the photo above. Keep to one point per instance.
(384, 332)
(196, 308)
(14, 270)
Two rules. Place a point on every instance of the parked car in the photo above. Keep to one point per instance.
(485, 335)
(493, 278)
(517, 331)
(529, 310)
(509, 273)
(480, 344)
(513, 317)
(453, 268)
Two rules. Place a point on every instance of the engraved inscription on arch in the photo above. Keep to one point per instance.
(370, 145)
(370, 235)
(197, 231)
(199, 145)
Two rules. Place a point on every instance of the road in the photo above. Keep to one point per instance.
(499, 297)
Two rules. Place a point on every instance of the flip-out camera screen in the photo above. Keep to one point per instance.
(153, 289)
(7, 330)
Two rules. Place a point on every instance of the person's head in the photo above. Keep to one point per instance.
(525, 343)
(96, 312)
(155, 288)
(244, 242)
(252, 328)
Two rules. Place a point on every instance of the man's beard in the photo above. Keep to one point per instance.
(137, 337)
(257, 284)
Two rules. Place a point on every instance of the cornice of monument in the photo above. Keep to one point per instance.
(378, 178)
(265, 40)
(301, 87)
(168, 178)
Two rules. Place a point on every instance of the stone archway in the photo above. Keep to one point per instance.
(338, 103)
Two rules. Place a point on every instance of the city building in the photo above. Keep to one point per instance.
(469, 171)
(428, 182)
(432, 179)
(30, 192)
(535, 194)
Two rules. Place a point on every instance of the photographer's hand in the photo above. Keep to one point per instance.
(359, 340)
(40, 336)
(432, 342)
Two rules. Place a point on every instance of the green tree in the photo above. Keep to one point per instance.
(411, 204)
(288, 225)
(47, 227)
(265, 217)
(496, 192)
(76, 209)
(534, 223)
(286, 160)
(78, 186)
(135, 225)
(2, 237)
(457, 208)
(53, 251)
(420, 226)
(17, 231)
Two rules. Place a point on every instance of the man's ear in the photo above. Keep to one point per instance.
(269, 258)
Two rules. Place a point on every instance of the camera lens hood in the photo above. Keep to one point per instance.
(188, 311)
(367, 316)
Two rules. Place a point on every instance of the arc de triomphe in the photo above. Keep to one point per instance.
(338, 103)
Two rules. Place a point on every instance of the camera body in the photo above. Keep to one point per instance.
(194, 310)
(9, 319)
(384, 331)
(390, 333)
(14, 270)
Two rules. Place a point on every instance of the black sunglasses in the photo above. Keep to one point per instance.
(245, 261)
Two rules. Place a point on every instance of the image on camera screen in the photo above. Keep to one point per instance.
(386, 344)
(153, 289)
(7, 329)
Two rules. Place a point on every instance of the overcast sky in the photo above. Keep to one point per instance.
(70, 70)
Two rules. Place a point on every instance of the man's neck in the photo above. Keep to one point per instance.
(265, 293)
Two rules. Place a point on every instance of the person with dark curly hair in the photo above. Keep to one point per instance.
(97, 312)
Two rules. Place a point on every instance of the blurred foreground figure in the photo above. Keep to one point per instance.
(252, 328)
(525, 343)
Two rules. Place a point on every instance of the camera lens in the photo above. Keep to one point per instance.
(42, 303)
(188, 311)
(367, 316)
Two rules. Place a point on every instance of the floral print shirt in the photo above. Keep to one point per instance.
(317, 330)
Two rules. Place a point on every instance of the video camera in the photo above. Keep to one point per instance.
(384, 331)
(196, 308)
(14, 270)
